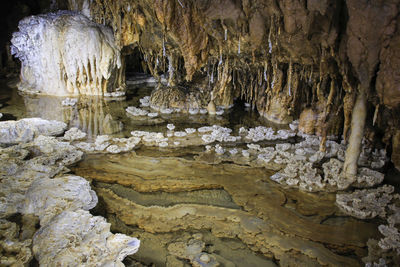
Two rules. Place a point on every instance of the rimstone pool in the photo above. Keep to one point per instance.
(197, 189)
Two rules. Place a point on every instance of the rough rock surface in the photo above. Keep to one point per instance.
(47, 197)
(33, 184)
(77, 238)
(396, 150)
(25, 130)
(15, 251)
(65, 53)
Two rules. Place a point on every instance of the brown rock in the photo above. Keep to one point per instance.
(307, 121)
(396, 150)
(388, 81)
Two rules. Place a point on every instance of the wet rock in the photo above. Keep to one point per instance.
(25, 130)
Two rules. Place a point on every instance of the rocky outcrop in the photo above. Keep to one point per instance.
(25, 130)
(77, 238)
(65, 53)
(34, 185)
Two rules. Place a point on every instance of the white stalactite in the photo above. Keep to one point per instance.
(65, 53)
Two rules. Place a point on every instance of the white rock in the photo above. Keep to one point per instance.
(136, 111)
(219, 150)
(145, 101)
(47, 197)
(205, 129)
(208, 138)
(245, 153)
(58, 50)
(193, 111)
(170, 126)
(77, 238)
(139, 133)
(163, 144)
(180, 134)
(85, 146)
(114, 149)
(152, 114)
(190, 130)
(233, 151)
(74, 134)
(366, 203)
(219, 112)
(25, 130)
(69, 102)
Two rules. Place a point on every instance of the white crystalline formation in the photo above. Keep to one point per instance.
(66, 54)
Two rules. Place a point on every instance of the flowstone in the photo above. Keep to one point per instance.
(67, 54)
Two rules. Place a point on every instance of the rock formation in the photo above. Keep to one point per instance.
(282, 57)
(65, 53)
(34, 185)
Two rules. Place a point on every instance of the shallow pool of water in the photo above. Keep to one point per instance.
(182, 207)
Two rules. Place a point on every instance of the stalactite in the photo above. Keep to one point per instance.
(375, 114)
(171, 71)
(348, 103)
(239, 46)
(290, 73)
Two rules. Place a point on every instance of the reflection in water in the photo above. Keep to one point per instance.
(92, 115)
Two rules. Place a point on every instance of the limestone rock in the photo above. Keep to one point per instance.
(48, 197)
(396, 150)
(22, 131)
(307, 121)
(14, 252)
(74, 134)
(76, 238)
(48, 157)
(65, 53)
(177, 97)
(367, 203)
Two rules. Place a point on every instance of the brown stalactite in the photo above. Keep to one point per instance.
(300, 48)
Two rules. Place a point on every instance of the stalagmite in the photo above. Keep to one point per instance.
(211, 108)
(65, 53)
(357, 131)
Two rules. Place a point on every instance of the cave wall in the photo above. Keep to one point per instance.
(284, 57)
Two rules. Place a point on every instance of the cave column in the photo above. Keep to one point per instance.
(357, 132)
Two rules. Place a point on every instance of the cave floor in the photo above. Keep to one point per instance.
(187, 211)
